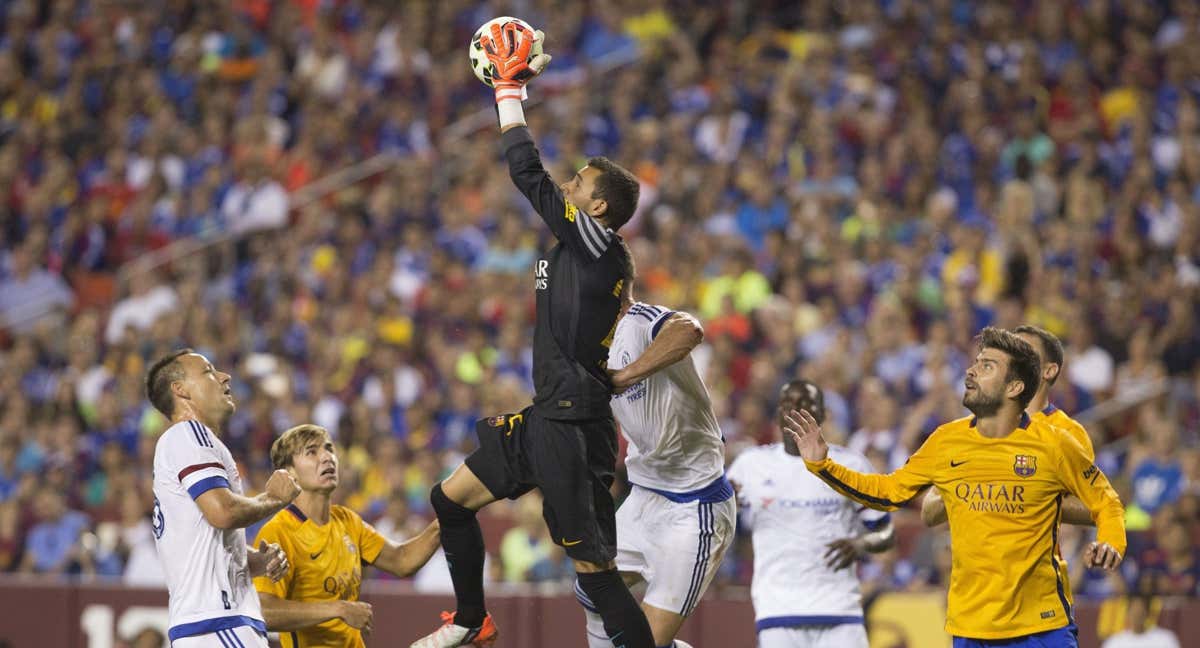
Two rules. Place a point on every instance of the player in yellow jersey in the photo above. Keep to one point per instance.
(316, 603)
(1050, 356)
(1003, 476)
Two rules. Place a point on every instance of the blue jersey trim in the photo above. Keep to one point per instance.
(659, 324)
(1050, 409)
(209, 626)
(875, 525)
(1023, 423)
(718, 491)
(706, 519)
(295, 510)
(800, 621)
(1054, 551)
(207, 484)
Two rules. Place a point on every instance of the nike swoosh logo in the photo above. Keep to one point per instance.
(570, 544)
(954, 464)
(314, 556)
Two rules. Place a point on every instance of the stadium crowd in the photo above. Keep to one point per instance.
(846, 191)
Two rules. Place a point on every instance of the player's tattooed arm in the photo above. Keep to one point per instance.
(225, 509)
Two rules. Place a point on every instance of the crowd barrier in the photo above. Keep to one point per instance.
(45, 614)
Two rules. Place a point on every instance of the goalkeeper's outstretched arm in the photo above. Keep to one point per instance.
(508, 51)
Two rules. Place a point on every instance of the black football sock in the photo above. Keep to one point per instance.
(624, 621)
(462, 541)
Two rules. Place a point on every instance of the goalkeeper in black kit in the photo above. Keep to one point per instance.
(566, 442)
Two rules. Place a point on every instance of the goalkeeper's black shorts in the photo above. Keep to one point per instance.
(572, 462)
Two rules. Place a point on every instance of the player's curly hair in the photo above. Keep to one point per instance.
(1023, 363)
(163, 372)
(1052, 347)
(619, 188)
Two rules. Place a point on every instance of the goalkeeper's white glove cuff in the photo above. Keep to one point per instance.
(508, 105)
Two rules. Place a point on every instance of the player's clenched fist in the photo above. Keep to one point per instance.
(282, 486)
(356, 614)
(1102, 555)
(269, 560)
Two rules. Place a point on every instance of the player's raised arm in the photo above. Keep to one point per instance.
(674, 337)
(884, 492)
(1087, 482)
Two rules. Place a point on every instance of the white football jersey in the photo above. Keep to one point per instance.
(208, 578)
(793, 515)
(675, 443)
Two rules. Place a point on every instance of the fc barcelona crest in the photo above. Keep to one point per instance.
(1025, 465)
(497, 421)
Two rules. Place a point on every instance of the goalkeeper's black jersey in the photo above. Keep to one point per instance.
(578, 285)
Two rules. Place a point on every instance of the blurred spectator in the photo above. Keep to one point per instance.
(1172, 568)
(10, 536)
(29, 294)
(148, 638)
(527, 551)
(1142, 632)
(142, 565)
(256, 201)
(8, 467)
(148, 300)
(54, 546)
(1158, 478)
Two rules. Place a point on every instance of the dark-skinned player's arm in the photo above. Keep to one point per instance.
(882, 492)
(842, 553)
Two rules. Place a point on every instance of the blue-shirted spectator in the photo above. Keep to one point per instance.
(53, 545)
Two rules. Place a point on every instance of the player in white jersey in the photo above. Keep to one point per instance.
(200, 512)
(680, 518)
(801, 599)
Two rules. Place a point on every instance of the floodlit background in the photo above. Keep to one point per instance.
(310, 192)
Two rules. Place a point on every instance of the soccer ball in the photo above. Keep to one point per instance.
(480, 64)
